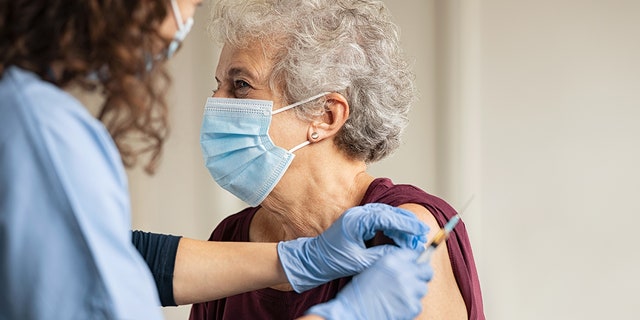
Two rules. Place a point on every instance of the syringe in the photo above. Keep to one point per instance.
(442, 235)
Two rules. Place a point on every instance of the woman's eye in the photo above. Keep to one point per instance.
(240, 84)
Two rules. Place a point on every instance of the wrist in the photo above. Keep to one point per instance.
(296, 265)
(331, 310)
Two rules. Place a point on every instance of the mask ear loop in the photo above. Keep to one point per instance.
(183, 30)
(177, 14)
(306, 143)
(298, 147)
(299, 103)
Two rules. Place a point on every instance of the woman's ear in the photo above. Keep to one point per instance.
(336, 113)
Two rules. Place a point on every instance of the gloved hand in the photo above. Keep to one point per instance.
(340, 250)
(391, 289)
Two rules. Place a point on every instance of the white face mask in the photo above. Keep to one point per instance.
(181, 34)
(183, 29)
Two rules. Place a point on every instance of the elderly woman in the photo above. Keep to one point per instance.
(324, 81)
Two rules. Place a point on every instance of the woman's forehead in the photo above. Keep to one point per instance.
(251, 59)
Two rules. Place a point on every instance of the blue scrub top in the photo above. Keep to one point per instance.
(65, 240)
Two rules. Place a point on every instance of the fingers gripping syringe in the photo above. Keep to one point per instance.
(442, 235)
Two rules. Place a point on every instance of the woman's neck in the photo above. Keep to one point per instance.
(304, 204)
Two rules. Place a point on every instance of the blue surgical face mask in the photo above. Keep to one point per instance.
(237, 149)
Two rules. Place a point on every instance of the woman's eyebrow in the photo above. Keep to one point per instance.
(239, 71)
(235, 71)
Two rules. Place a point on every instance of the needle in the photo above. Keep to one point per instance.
(442, 234)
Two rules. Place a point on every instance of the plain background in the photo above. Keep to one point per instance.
(531, 106)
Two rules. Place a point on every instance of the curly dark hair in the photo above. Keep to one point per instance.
(97, 45)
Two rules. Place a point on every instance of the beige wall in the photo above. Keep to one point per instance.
(560, 147)
(532, 106)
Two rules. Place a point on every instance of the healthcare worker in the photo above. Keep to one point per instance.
(65, 244)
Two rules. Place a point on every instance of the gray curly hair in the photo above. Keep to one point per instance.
(345, 46)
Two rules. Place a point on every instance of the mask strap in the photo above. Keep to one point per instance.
(299, 103)
(298, 147)
(177, 14)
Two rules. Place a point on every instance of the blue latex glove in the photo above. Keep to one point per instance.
(391, 289)
(340, 250)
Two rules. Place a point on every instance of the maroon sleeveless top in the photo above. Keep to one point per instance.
(274, 304)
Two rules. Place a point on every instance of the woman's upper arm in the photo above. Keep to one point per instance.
(443, 299)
